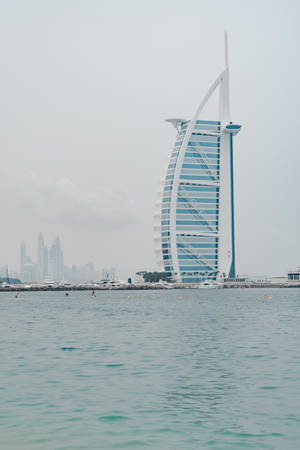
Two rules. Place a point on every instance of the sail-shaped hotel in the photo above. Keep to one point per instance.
(194, 214)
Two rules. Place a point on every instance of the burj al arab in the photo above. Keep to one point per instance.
(194, 212)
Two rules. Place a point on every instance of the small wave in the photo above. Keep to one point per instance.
(68, 349)
(112, 418)
(269, 387)
(114, 365)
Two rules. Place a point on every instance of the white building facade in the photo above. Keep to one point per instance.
(194, 216)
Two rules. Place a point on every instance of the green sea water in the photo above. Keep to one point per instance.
(216, 370)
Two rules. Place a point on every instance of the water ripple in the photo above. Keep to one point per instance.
(217, 370)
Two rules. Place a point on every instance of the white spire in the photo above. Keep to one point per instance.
(226, 47)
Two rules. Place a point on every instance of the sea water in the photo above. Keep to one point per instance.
(218, 369)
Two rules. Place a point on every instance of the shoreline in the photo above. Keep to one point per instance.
(142, 287)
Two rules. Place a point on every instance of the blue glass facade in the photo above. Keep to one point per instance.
(197, 203)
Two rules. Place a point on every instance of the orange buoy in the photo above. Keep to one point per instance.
(129, 297)
(180, 298)
(270, 298)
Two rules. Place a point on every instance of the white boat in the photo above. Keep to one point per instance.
(111, 283)
(165, 284)
(209, 284)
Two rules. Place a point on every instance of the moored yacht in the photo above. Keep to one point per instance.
(209, 284)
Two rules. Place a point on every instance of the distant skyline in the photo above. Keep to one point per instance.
(86, 87)
(49, 266)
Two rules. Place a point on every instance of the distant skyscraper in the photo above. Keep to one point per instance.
(74, 273)
(22, 257)
(194, 220)
(89, 271)
(46, 263)
(42, 259)
(28, 270)
(56, 261)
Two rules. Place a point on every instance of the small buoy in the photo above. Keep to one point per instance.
(270, 298)
(129, 297)
(67, 294)
(180, 298)
(16, 296)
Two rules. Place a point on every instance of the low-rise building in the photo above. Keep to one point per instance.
(294, 275)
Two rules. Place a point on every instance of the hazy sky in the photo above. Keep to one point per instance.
(85, 88)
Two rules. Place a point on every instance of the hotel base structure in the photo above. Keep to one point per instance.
(194, 211)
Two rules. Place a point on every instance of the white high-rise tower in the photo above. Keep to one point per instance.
(56, 261)
(42, 259)
(194, 218)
